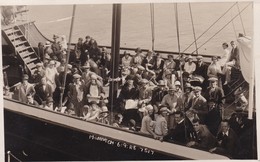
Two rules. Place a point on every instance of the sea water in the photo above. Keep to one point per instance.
(96, 20)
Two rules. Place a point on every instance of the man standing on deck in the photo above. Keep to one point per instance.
(76, 94)
(39, 73)
(43, 91)
(215, 94)
(23, 89)
(201, 71)
(199, 105)
(56, 48)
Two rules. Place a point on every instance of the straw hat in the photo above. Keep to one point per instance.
(199, 57)
(177, 83)
(47, 44)
(76, 76)
(39, 64)
(52, 62)
(161, 83)
(197, 89)
(213, 79)
(164, 109)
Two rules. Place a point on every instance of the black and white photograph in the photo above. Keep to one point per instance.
(123, 81)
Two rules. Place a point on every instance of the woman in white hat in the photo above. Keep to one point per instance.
(93, 112)
(94, 90)
(189, 66)
(51, 73)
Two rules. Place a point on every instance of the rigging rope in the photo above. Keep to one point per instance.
(194, 35)
(233, 26)
(210, 27)
(241, 19)
(152, 23)
(223, 27)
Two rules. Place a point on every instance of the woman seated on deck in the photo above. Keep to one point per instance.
(117, 120)
(93, 112)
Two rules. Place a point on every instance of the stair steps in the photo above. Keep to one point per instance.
(22, 47)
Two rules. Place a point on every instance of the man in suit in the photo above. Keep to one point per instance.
(43, 91)
(213, 118)
(76, 94)
(31, 101)
(39, 73)
(201, 70)
(23, 89)
(228, 143)
(199, 104)
(215, 94)
(201, 137)
(180, 132)
(158, 94)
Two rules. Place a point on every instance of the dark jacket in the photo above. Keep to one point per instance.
(216, 96)
(41, 95)
(229, 145)
(204, 139)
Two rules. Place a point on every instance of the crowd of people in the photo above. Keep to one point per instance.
(171, 99)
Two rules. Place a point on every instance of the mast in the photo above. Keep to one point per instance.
(68, 56)
(115, 49)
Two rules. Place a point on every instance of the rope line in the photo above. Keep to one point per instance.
(241, 19)
(234, 26)
(193, 29)
(210, 27)
(223, 27)
(152, 23)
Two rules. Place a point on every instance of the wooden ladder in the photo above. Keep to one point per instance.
(22, 47)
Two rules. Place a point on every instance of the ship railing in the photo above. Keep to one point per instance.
(58, 119)
(122, 129)
(9, 155)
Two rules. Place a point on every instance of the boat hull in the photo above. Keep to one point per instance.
(30, 139)
(34, 134)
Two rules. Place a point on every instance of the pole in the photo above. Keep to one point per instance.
(179, 50)
(115, 49)
(8, 156)
(251, 104)
(68, 55)
(152, 23)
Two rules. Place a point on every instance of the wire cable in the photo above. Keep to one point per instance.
(241, 19)
(223, 27)
(209, 27)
